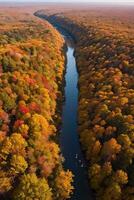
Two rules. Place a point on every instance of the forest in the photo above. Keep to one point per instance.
(104, 51)
(31, 74)
(33, 64)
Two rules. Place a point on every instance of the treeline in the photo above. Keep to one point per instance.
(31, 73)
(105, 60)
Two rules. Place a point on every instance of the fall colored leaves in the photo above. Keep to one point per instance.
(31, 71)
(106, 97)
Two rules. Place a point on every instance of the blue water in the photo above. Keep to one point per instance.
(69, 139)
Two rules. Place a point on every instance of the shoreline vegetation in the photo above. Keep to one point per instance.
(80, 157)
(104, 55)
(31, 74)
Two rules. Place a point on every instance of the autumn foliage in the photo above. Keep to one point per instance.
(105, 59)
(31, 72)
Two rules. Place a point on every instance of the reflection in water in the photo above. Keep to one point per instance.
(69, 140)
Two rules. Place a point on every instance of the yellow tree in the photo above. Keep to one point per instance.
(63, 184)
(31, 187)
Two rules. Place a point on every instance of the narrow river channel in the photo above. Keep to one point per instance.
(69, 139)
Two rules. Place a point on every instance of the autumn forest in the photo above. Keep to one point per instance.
(34, 58)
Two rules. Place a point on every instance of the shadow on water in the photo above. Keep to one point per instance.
(69, 139)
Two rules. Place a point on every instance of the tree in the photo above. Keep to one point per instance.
(63, 184)
(95, 151)
(17, 164)
(8, 101)
(121, 177)
(18, 144)
(95, 176)
(110, 149)
(31, 187)
(124, 141)
(5, 182)
(112, 192)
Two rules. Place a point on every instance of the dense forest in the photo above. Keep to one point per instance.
(105, 60)
(31, 74)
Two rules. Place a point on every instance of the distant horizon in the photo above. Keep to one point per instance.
(110, 2)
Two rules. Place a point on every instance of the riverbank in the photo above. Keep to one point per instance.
(31, 70)
(69, 138)
(104, 55)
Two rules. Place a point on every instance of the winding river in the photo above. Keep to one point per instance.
(69, 139)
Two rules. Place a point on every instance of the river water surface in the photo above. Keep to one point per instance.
(69, 139)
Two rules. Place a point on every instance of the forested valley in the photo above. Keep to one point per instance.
(105, 59)
(32, 80)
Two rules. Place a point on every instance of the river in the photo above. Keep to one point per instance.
(69, 138)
